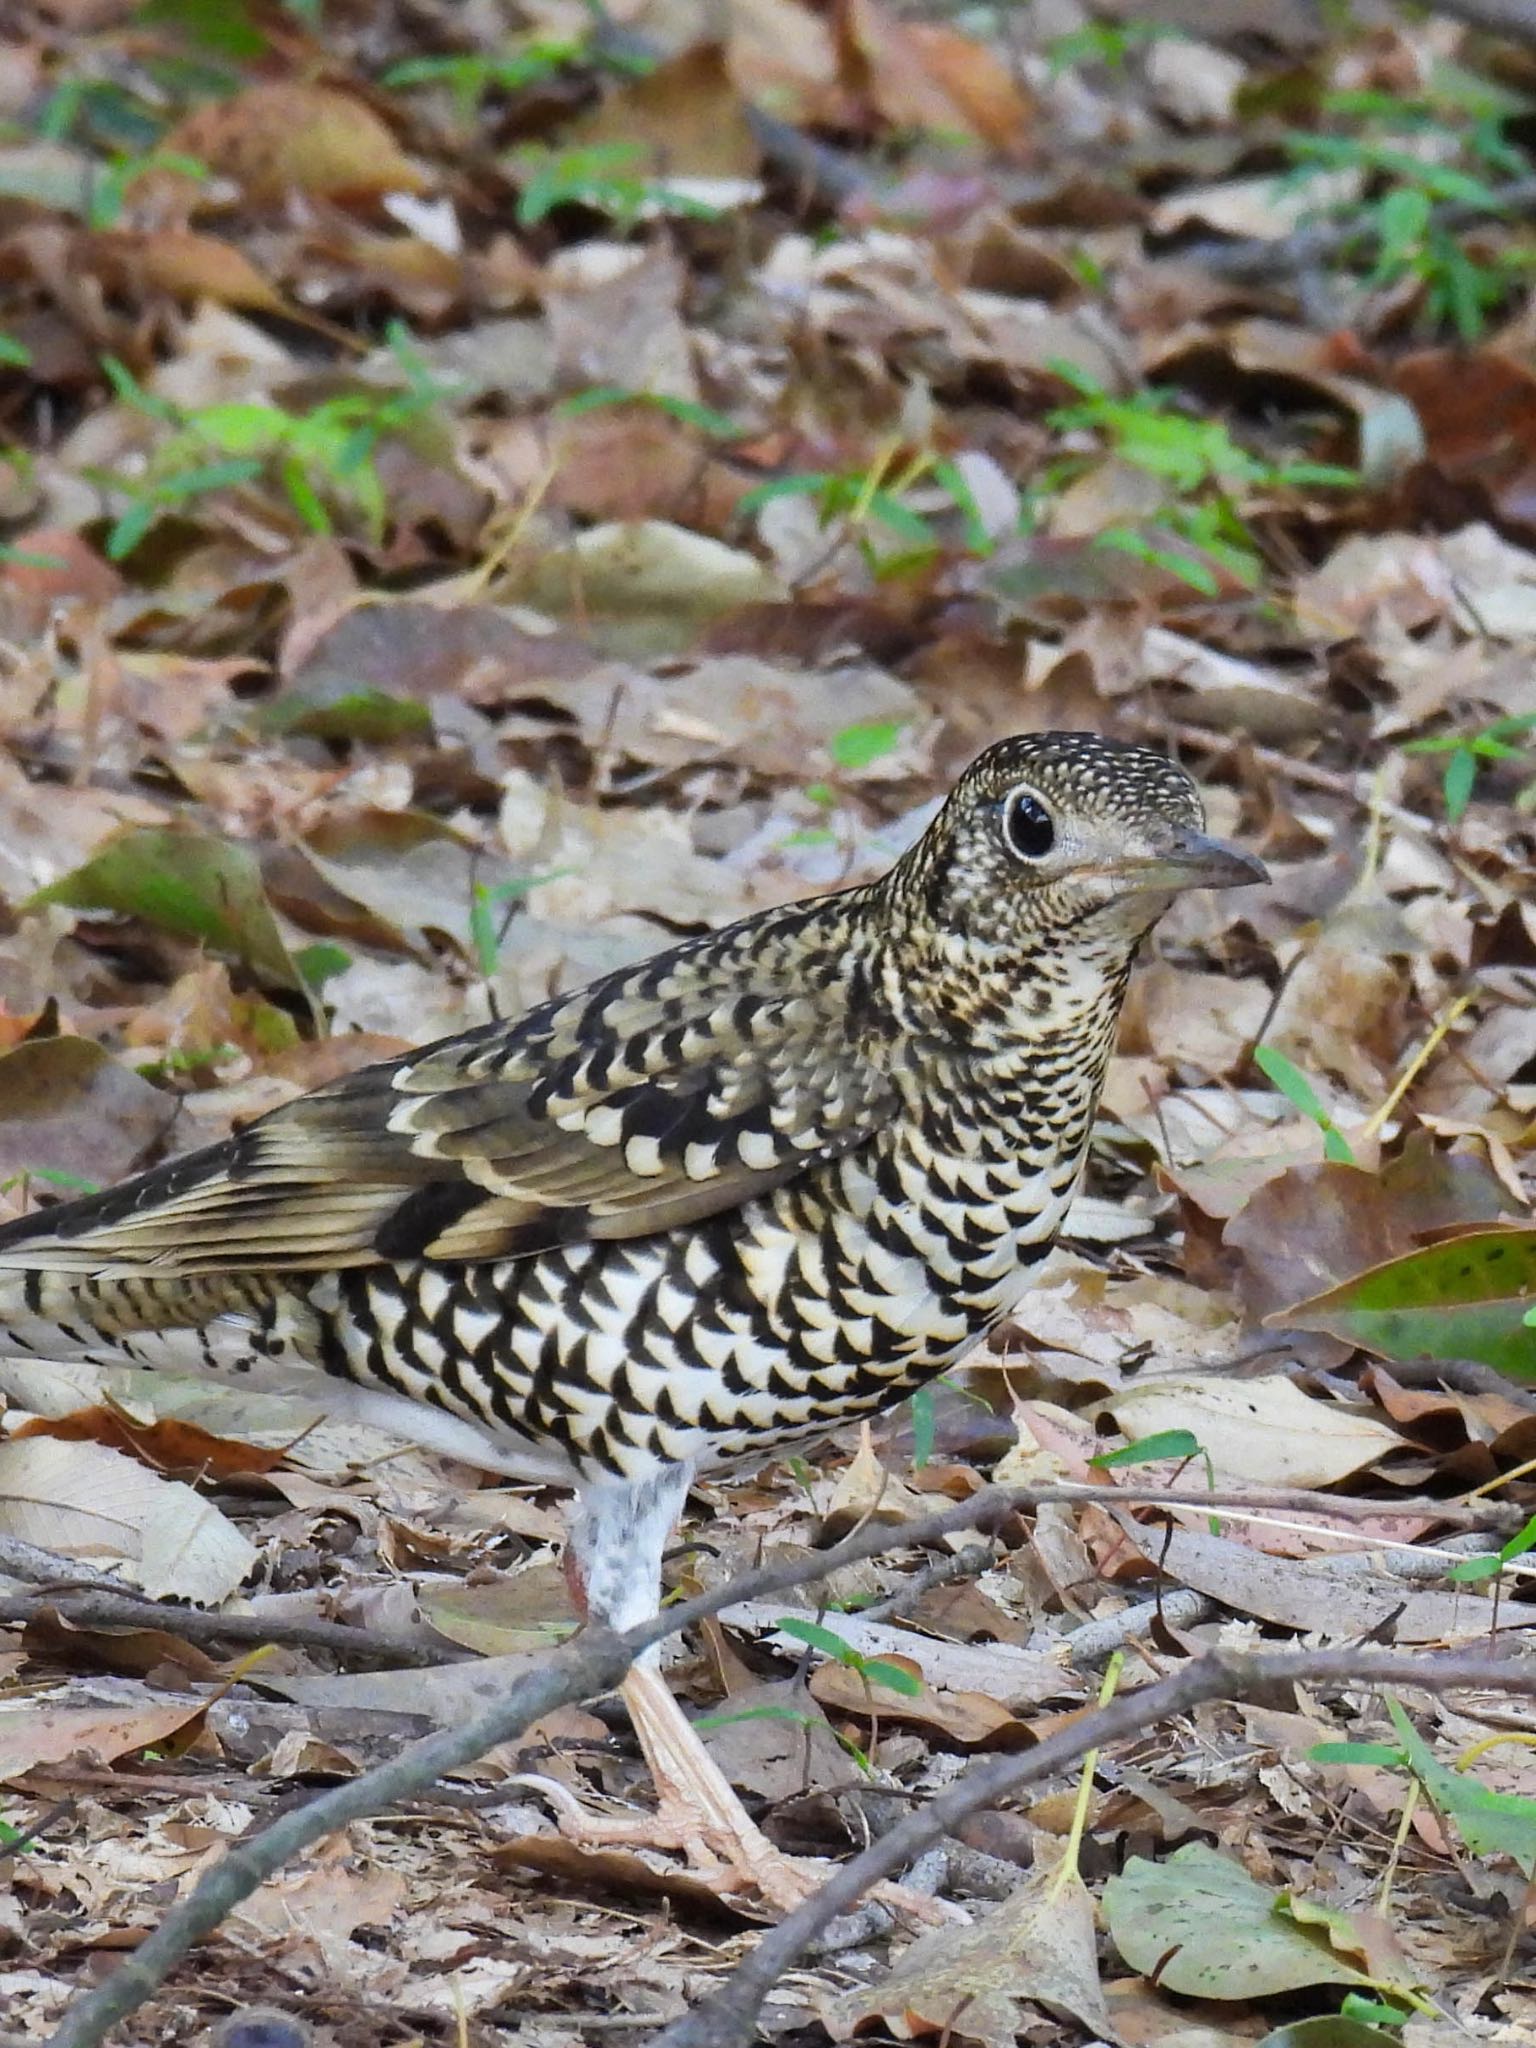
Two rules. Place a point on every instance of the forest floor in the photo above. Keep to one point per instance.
(488, 489)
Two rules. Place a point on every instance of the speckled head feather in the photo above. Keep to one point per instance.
(1060, 833)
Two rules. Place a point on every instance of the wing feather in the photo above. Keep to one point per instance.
(663, 1094)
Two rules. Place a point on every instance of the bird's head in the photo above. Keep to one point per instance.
(1064, 839)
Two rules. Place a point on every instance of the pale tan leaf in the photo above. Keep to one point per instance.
(977, 1983)
(88, 1502)
(1264, 1430)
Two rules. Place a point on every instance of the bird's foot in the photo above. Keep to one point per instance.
(729, 1853)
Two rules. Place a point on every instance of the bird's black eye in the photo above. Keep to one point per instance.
(1028, 827)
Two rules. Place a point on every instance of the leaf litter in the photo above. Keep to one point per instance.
(484, 496)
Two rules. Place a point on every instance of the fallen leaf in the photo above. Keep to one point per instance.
(174, 1448)
(1263, 1430)
(927, 75)
(1470, 1297)
(68, 1109)
(977, 1983)
(86, 1501)
(526, 1612)
(286, 137)
(685, 118)
(188, 266)
(647, 569)
(1201, 1925)
(34, 1732)
(973, 1720)
(1341, 1597)
(188, 883)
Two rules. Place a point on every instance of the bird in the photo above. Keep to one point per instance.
(710, 1207)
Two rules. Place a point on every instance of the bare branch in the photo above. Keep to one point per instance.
(1257, 259)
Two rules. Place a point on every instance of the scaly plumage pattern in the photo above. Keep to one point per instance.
(771, 1179)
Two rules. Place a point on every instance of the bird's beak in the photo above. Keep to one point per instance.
(1186, 859)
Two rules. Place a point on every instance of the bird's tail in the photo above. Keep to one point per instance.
(176, 1322)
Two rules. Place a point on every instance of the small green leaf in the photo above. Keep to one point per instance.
(922, 1427)
(816, 1637)
(894, 1677)
(319, 963)
(1460, 781)
(1355, 1753)
(1148, 1450)
(1292, 1083)
(1491, 1823)
(858, 746)
(1370, 2013)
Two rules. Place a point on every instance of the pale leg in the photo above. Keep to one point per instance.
(614, 1567)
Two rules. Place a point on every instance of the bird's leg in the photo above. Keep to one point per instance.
(614, 1568)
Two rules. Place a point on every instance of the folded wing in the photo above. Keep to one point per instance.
(664, 1093)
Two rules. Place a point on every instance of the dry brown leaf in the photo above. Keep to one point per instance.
(67, 1107)
(34, 1732)
(178, 1449)
(865, 1491)
(188, 266)
(978, 1983)
(286, 137)
(686, 119)
(927, 75)
(973, 1720)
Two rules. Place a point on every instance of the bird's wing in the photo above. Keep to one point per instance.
(664, 1093)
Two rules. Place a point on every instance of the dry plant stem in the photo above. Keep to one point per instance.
(969, 1563)
(1309, 774)
(729, 2019)
(596, 1659)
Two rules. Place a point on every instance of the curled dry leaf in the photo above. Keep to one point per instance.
(978, 1983)
(34, 1732)
(971, 1720)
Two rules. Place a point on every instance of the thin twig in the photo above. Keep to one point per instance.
(1097, 1641)
(729, 2019)
(89, 1608)
(597, 1659)
(969, 1563)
